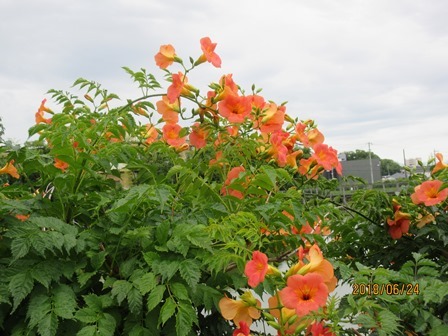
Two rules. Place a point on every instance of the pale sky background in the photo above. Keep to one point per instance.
(366, 71)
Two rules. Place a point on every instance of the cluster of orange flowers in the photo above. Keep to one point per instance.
(226, 103)
(428, 193)
(308, 284)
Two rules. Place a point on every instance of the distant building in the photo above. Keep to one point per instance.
(412, 163)
(363, 169)
(342, 156)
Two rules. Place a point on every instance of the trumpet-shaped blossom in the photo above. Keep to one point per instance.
(10, 169)
(227, 86)
(278, 150)
(238, 311)
(234, 108)
(151, 134)
(309, 168)
(165, 57)
(319, 329)
(171, 135)
(232, 175)
(440, 165)
(198, 136)
(169, 111)
(304, 293)
(429, 193)
(422, 220)
(139, 110)
(256, 269)
(39, 116)
(258, 102)
(316, 265)
(22, 217)
(327, 157)
(179, 85)
(59, 164)
(218, 160)
(400, 224)
(272, 118)
(308, 137)
(243, 330)
(208, 49)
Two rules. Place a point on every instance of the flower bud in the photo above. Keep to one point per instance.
(268, 317)
(249, 299)
(273, 271)
(293, 319)
(274, 325)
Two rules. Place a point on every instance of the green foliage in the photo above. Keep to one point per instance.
(107, 233)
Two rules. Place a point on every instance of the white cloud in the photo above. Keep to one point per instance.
(367, 71)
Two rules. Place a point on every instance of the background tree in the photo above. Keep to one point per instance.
(389, 167)
(360, 154)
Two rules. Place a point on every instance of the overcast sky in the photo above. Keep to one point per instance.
(366, 71)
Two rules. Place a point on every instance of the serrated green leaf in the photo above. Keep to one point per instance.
(120, 290)
(366, 321)
(135, 300)
(46, 271)
(87, 331)
(178, 244)
(84, 277)
(87, 315)
(106, 325)
(48, 326)
(186, 316)
(163, 194)
(39, 306)
(54, 223)
(132, 197)
(145, 283)
(162, 231)
(388, 322)
(440, 330)
(263, 181)
(427, 271)
(179, 291)
(190, 271)
(168, 309)
(435, 292)
(97, 260)
(20, 247)
(4, 293)
(207, 296)
(64, 301)
(199, 237)
(20, 286)
(155, 297)
(93, 301)
(166, 268)
(150, 257)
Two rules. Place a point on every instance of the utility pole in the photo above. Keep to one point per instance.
(404, 161)
(370, 161)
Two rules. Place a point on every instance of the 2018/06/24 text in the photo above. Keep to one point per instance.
(388, 289)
